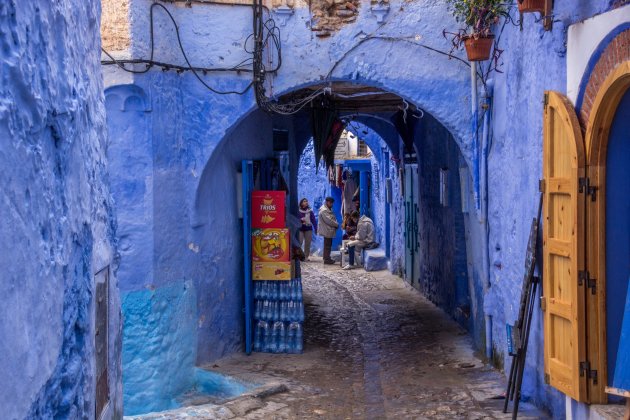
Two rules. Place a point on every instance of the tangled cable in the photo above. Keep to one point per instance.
(150, 62)
(266, 34)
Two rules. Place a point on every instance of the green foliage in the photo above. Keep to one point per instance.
(478, 15)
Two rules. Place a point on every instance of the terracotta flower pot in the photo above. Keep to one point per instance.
(530, 6)
(478, 49)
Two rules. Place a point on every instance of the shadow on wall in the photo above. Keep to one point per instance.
(217, 234)
(443, 276)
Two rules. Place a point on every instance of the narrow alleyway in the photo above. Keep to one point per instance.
(374, 349)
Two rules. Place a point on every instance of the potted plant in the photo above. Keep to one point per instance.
(479, 16)
(529, 6)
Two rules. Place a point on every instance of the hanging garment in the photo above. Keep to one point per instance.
(405, 123)
(339, 176)
(323, 116)
(349, 189)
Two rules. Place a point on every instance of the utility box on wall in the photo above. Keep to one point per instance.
(444, 187)
(101, 342)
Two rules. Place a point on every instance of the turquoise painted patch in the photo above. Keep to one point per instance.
(159, 346)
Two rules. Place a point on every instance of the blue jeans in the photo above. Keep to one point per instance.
(351, 249)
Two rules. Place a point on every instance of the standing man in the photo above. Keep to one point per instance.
(363, 238)
(327, 227)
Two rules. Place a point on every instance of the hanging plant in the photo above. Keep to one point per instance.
(478, 16)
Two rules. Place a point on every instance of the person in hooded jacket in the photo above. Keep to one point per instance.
(363, 238)
(307, 217)
(327, 227)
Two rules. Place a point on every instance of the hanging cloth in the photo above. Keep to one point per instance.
(349, 189)
(327, 129)
(323, 116)
(339, 176)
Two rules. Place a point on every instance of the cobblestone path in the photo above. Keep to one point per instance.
(374, 349)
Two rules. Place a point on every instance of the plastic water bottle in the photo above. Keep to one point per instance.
(276, 311)
(290, 310)
(280, 334)
(258, 309)
(264, 314)
(283, 311)
(277, 327)
(259, 335)
(299, 345)
(292, 290)
(299, 288)
(267, 338)
(284, 291)
(291, 331)
(300, 311)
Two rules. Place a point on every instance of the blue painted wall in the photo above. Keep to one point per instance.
(159, 346)
(533, 61)
(191, 133)
(443, 276)
(56, 213)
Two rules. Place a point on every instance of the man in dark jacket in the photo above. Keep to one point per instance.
(327, 227)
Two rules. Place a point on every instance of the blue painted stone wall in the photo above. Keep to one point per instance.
(534, 61)
(159, 346)
(188, 125)
(56, 217)
(217, 266)
(314, 186)
(442, 241)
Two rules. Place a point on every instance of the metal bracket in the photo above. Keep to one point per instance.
(586, 187)
(547, 17)
(585, 368)
(584, 277)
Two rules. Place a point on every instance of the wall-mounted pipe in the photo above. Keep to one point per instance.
(484, 207)
(480, 185)
(475, 130)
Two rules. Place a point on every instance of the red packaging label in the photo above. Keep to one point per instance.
(268, 209)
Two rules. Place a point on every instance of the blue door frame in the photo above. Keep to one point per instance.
(248, 186)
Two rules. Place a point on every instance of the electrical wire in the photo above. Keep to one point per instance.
(165, 66)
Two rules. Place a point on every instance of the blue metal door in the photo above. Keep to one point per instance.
(412, 261)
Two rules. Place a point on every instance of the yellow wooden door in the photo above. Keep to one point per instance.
(563, 248)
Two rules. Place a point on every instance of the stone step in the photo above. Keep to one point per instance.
(374, 259)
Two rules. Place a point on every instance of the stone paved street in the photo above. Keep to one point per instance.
(374, 348)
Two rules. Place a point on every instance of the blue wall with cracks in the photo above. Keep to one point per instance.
(56, 215)
(196, 139)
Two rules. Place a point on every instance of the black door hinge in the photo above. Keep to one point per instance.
(541, 185)
(585, 369)
(546, 100)
(586, 187)
(584, 277)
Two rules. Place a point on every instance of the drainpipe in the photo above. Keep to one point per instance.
(475, 132)
(479, 172)
(484, 209)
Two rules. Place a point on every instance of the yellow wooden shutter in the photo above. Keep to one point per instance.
(563, 248)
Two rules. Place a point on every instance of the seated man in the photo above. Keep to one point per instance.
(363, 238)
